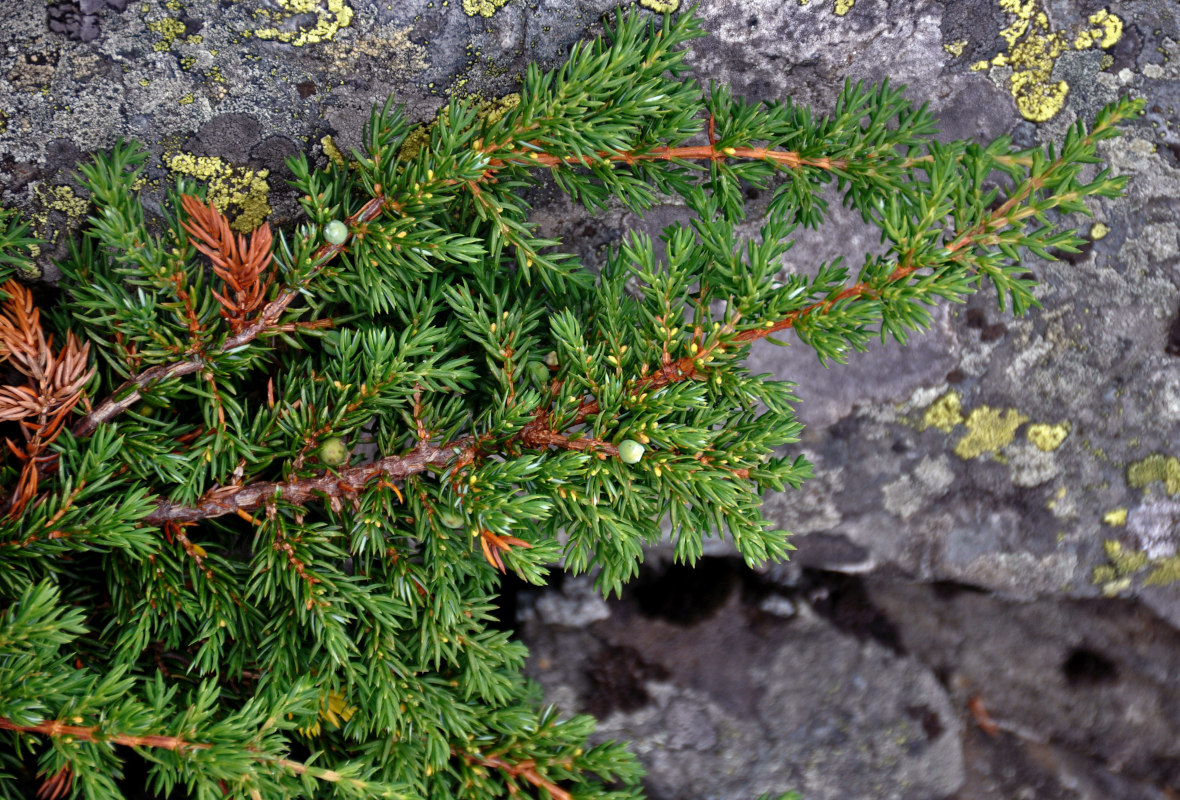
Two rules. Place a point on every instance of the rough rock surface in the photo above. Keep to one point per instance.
(1034, 459)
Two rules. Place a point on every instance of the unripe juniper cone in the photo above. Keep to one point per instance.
(335, 232)
(630, 451)
(450, 519)
(197, 598)
(334, 452)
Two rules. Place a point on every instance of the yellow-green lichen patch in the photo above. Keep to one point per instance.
(482, 8)
(48, 199)
(230, 188)
(63, 199)
(841, 8)
(1155, 468)
(1033, 50)
(956, 48)
(1124, 560)
(1163, 571)
(1116, 517)
(1099, 230)
(1124, 563)
(330, 17)
(493, 110)
(988, 431)
(333, 152)
(170, 30)
(944, 413)
(1047, 437)
(661, 6)
(416, 139)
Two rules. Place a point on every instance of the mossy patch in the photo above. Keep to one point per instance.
(230, 188)
(988, 431)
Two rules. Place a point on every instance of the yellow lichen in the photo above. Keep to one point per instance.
(230, 187)
(1047, 437)
(956, 48)
(944, 413)
(493, 110)
(481, 8)
(416, 139)
(1163, 571)
(988, 431)
(51, 198)
(843, 7)
(1124, 563)
(332, 151)
(1116, 517)
(1124, 560)
(1099, 231)
(185, 100)
(1108, 27)
(63, 199)
(169, 30)
(330, 17)
(1033, 50)
(661, 6)
(1155, 467)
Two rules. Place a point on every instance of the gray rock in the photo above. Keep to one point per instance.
(732, 709)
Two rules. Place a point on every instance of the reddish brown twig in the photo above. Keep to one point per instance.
(339, 484)
(982, 718)
(82, 733)
(704, 152)
(526, 769)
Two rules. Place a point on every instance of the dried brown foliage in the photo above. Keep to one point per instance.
(240, 264)
(54, 384)
(57, 785)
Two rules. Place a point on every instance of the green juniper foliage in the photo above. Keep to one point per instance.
(260, 491)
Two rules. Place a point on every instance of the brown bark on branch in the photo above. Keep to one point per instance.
(232, 499)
